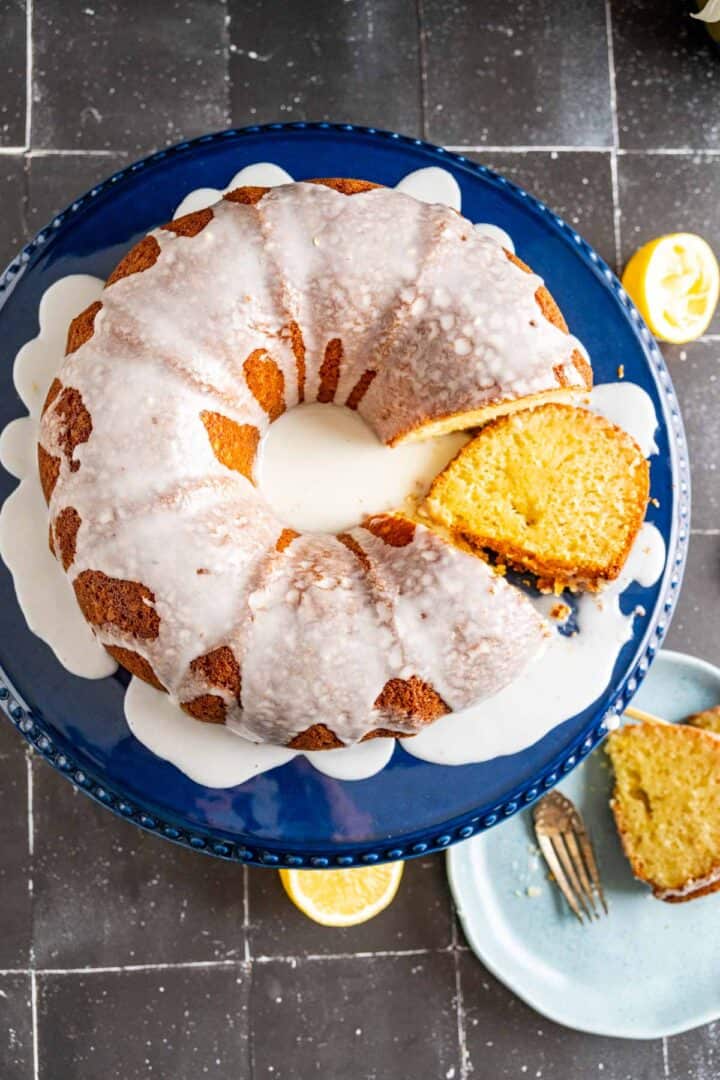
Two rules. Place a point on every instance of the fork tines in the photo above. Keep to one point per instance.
(564, 842)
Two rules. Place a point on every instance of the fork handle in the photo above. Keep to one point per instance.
(639, 714)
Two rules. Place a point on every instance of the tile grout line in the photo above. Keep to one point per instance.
(705, 532)
(246, 912)
(591, 148)
(615, 137)
(31, 884)
(30, 814)
(422, 62)
(465, 1066)
(455, 148)
(35, 1041)
(544, 148)
(230, 963)
(29, 11)
(119, 969)
(666, 1062)
(227, 49)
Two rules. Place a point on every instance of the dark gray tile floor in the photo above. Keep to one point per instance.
(16, 899)
(134, 901)
(12, 63)
(16, 1026)
(577, 184)
(514, 75)
(124, 957)
(179, 1023)
(668, 77)
(127, 77)
(387, 1016)
(325, 61)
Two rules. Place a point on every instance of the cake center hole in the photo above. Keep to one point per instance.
(322, 469)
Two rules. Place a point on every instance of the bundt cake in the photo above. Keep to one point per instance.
(207, 331)
(555, 490)
(666, 805)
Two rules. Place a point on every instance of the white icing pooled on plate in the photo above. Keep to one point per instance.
(630, 407)
(219, 757)
(365, 476)
(432, 185)
(494, 232)
(44, 593)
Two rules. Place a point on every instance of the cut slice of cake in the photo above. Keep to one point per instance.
(708, 720)
(556, 490)
(666, 805)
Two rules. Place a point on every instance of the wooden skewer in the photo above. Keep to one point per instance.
(646, 717)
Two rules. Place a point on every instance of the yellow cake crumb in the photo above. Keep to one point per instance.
(666, 805)
(556, 490)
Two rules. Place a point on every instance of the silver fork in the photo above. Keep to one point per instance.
(565, 843)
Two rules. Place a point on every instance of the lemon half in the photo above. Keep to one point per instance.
(674, 281)
(343, 897)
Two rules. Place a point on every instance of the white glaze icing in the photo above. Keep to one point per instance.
(232, 759)
(574, 671)
(364, 476)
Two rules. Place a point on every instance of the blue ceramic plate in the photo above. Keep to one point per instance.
(294, 815)
(649, 969)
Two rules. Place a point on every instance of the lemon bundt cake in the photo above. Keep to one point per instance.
(666, 805)
(555, 490)
(207, 331)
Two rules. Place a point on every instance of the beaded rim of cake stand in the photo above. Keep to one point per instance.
(425, 841)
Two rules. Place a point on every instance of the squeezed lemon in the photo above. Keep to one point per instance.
(674, 281)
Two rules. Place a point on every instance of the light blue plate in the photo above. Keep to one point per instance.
(649, 969)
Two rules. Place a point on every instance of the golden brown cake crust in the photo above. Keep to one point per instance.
(67, 524)
(330, 371)
(80, 330)
(411, 698)
(266, 382)
(394, 530)
(136, 664)
(125, 605)
(210, 708)
(234, 445)
(139, 258)
(189, 224)
(220, 668)
(49, 470)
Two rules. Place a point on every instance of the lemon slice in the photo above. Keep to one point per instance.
(343, 897)
(674, 281)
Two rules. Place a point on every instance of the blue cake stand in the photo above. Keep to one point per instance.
(294, 815)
